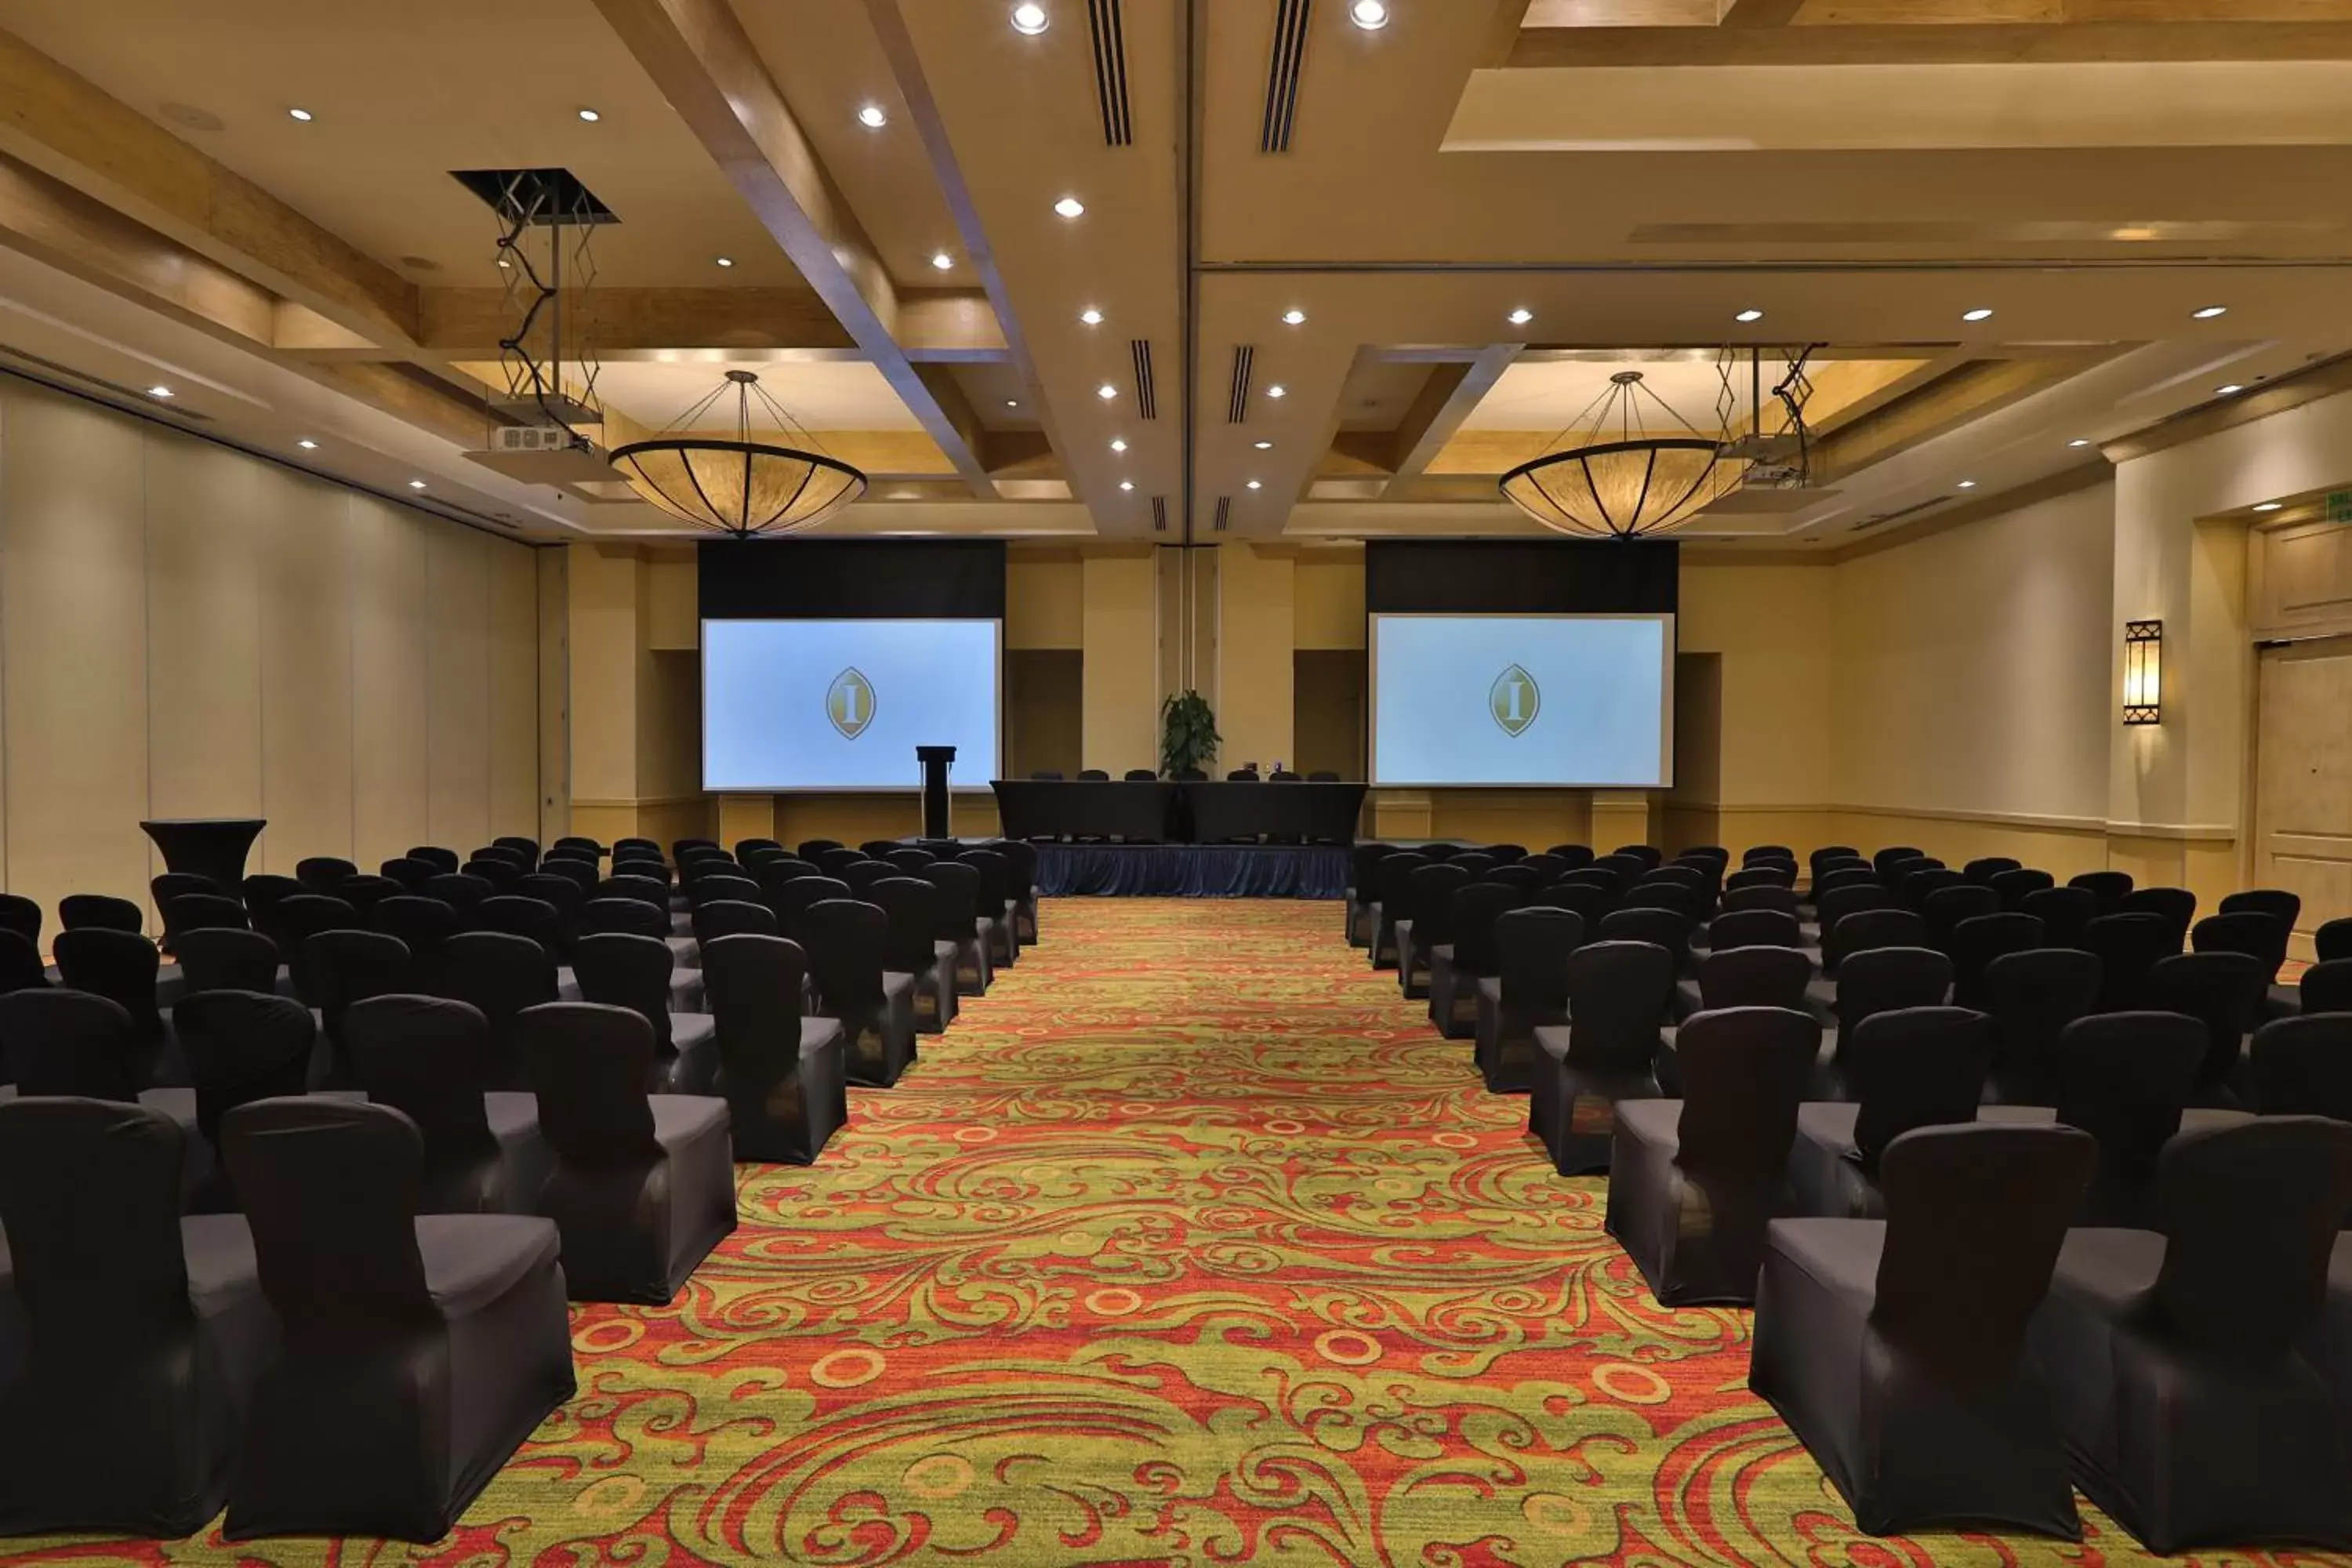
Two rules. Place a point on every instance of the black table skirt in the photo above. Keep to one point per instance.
(210, 847)
(1206, 812)
(1192, 870)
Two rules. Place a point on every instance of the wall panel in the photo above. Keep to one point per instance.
(512, 607)
(457, 689)
(306, 672)
(203, 630)
(392, 630)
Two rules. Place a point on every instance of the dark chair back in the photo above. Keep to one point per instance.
(90, 1196)
(2065, 914)
(363, 892)
(1975, 1216)
(791, 899)
(1532, 945)
(411, 873)
(59, 1042)
(995, 879)
(1837, 903)
(734, 916)
(728, 886)
(2032, 996)
(562, 893)
(912, 904)
(846, 941)
(623, 969)
(463, 892)
(2177, 907)
(1618, 993)
(433, 855)
(1921, 884)
(1476, 906)
(2251, 1216)
(646, 890)
(1427, 899)
(1763, 873)
(173, 885)
(20, 963)
(634, 916)
(21, 915)
(1916, 1067)
(1474, 864)
(1866, 929)
(589, 1066)
(1549, 867)
(1837, 878)
(2109, 888)
(502, 975)
(959, 899)
(2277, 902)
(428, 1058)
(1974, 943)
(1753, 928)
(1765, 977)
(908, 860)
(1985, 867)
(330, 1188)
(1587, 900)
(1947, 906)
(97, 911)
(2326, 987)
(534, 920)
(116, 964)
(1646, 856)
(242, 1046)
(2013, 886)
(583, 873)
(423, 925)
(347, 966)
(527, 847)
(1888, 979)
(2332, 941)
(754, 983)
(1684, 901)
(321, 873)
(1894, 855)
(1578, 855)
(1744, 1071)
(501, 873)
(2124, 1079)
(2302, 1067)
(861, 875)
(2258, 934)
(1659, 927)
(2225, 992)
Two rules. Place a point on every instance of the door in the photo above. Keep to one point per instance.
(2302, 822)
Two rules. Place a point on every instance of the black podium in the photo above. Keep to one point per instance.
(934, 760)
(211, 847)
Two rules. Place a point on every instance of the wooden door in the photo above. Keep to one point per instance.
(2303, 824)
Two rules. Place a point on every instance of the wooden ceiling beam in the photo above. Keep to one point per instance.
(697, 53)
(1756, 13)
(1966, 392)
(64, 126)
(2022, 43)
(1446, 400)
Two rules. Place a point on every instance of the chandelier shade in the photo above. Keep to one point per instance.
(1617, 480)
(738, 486)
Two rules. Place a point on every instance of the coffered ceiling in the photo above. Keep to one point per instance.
(1328, 281)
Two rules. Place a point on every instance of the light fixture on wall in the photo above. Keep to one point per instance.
(2143, 672)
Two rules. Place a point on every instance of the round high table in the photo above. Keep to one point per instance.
(211, 847)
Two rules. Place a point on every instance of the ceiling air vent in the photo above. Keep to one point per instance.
(1110, 71)
(1916, 507)
(1158, 514)
(1147, 401)
(1281, 75)
(1225, 513)
(1237, 402)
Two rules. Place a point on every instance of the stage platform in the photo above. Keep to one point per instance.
(1193, 870)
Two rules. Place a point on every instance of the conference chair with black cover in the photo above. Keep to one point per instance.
(363, 891)
(1985, 867)
(1386, 891)
(437, 856)
(1906, 1067)
(793, 897)
(2065, 914)
(1885, 924)
(1527, 991)
(2281, 906)
(2325, 987)
(2332, 941)
(463, 892)
(992, 907)
(1753, 928)
(2032, 996)
(347, 966)
(1578, 855)
(123, 967)
(502, 975)
(2126, 1079)
(1762, 976)
(2260, 932)
(1021, 886)
(1887, 862)
(1759, 896)
(1694, 1181)
(862, 874)
(143, 1331)
(420, 1349)
(573, 843)
(2303, 1065)
(810, 849)
(2177, 907)
(1836, 878)
(1456, 967)
(1606, 1053)
(847, 944)
(2013, 886)
(1947, 906)
(170, 885)
(423, 925)
(1424, 920)
(784, 1076)
(732, 917)
(321, 873)
(2225, 992)
(1974, 943)
(98, 912)
(2109, 888)
(1589, 901)
(644, 1184)
(2189, 1414)
(242, 1046)
(526, 848)
(2129, 946)
(565, 896)
(626, 969)
(57, 1041)
(909, 859)
(20, 963)
(1919, 886)
(1685, 903)
(913, 905)
(963, 931)
(428, 1058)
(21, 915)
(1898, 1350)
(1761, 874)
(749, 849)
(582, 872)
(1656, 924)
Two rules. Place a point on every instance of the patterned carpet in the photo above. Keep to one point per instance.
(1190, 1245)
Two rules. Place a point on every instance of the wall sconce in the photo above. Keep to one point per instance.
(2143, 672)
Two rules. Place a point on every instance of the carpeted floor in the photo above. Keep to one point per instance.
(1192, 1244)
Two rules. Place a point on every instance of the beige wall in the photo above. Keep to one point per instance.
(1256, 646)
(1118, 629)
(188, 631)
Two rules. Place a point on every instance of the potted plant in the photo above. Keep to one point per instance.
(1188, 733)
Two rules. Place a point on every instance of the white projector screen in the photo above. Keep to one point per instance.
(1545, 700)
(841, 705)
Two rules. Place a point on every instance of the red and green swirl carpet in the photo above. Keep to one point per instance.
(1192, 1244)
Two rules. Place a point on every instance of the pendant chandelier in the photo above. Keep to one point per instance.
(736, 485)
(1620, 479)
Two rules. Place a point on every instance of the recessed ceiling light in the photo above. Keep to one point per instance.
(1749, 314)
(2231, 390)
(1118, 443)
(2269, 505)
(1371, 15)
(1255, 485)
(1981, 314)
(1521, 317)
(1127, 484)
(302, 114)
(2208, 312)
(1106, 392)
(1090, 316)
(1030, 17)
(417, 484)
(724, 260)
(306, 444)
(159, 392)
(590, 116)
(1277, 390)
(1293, 317)
(1263, 446)
(942, 260)
(1967, 484)
(873, 116)
(2080, 441)
(1070, 206)
(1012, 403)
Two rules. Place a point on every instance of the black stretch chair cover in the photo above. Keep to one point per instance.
(1985, 867)
(1474, 863)
(427, 1058)
(1947, 906)
(1684, 901)
(1838, 878)
(583, 873)
(202, 911)
(2013, 886)
(58, 1042)
(1648, 856)
(1654, 925)
(908, 860)
(2277, 902)
(959, 906)
(2302, 1067)
(646, 846)
(2124, 1079)
(1764, 976)
(2177, 907)
(632, 970)
(786, 1096)
(563, 894)
(913, 905)
(1866, 929)
(171, 885)
(746, 849)
(1425, 899)
(424, 926)
(1899, 1357)
(20, 963)
(363, 892)
(323, 873)
(1916, 1067)
(526, 848)
(1549, 867)
(1611, 879)
(97, 911)
(1975, 943)
(127, 1413)
(117, 965)
(1590, 903)
(2065, 914)
(419, 1354)
(1532, 946)
(462, 891)
(634, 917)
(1753, 928)
(502, 975)
(2032, 996)
(1477, 907)
(1759, 896)
(2326, 987)
(435, 854)
(1764, 874)
(1692, 1213)
(242, 1046)
(2226, 993)
(728, 885)
(534, 920)
(571, 841)
(2258, 934)
(734, 916)
(1852, 899)
(2109, 888)
(2332, 941)
(1920, 886)
(263, 892)
(347, 966)
(830, 860)
(847, 943)
(2190, 1416)
(636, 1215)
(501, 873)
(411, 873)
(792, 899)
(1894, 855)
(1578, 855)
(1618, 995)
(21, 915)
(1884, 980)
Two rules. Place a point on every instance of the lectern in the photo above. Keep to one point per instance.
(934, 760)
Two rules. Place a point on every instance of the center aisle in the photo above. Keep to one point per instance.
(1190, 1244)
